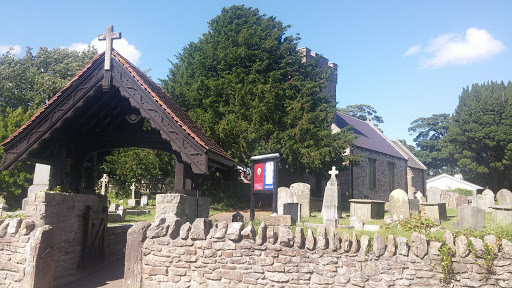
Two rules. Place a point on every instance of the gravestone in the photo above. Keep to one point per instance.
(133, 201)
(113, 207)
(418, 195)
(461, 200)
(470, 217)
(302, 193)
(504, 197)
(487, 200)
(356, 223)
(434, 211)
(399, 205)
(284, 195)
(237, 217)
(433, 195)
(330, 203)
(144, 200)
(122, 211)
(104, 182)
(41, 182)
(414, 206)
(292, 209)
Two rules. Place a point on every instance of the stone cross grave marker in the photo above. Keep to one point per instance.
(330, 203)
(133, 201)
(399, 205)
(104, 182)
(504, 197)
(487, 200)
(301, 192)
(433, 195)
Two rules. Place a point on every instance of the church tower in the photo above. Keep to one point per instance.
(332, 68)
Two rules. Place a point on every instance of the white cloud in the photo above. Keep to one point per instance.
(16, 49)
(121, 45)
(413, 50)
(476, 45)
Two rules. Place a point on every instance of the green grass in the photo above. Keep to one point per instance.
(130, 219)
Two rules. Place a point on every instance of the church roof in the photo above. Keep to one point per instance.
(369, 136)
(412, 161)
(167, 104)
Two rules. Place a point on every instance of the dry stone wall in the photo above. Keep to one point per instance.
(169, 254)
(19, 242)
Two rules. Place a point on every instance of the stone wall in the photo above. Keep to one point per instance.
(65, 213)
(360, 176)
(182, 206)
(168, 254)
(115, 242)
(20, 241)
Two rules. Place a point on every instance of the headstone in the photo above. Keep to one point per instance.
(504, 197)
(418, 195)
(292, 209)
(470, 217)
(356, 223)
(487, 200)
(414, 206)
(41, 179)
(367, 209)
(133, 202)
(330, 203)
(104, 182)
(501, 215)
(144, 200)
(434, 195)
(122, 211)
(302, 194)
(399, 205)
(237, 217)
(133, 190)
(113, 207)
(461, 200)
(284, 195)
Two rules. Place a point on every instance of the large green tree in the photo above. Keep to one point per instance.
(479, 138)
(26, 84)
(246, 85)
(363, 112)
(429, 133)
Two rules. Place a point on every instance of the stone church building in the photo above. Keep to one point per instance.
(386, 165)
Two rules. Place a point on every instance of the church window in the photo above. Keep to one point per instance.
(391, 176)
(372, 174)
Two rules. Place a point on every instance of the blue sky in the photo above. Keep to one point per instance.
(407, 59)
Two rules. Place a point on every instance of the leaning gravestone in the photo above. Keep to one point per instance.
(470, 217)
(433, 195)
(113, 208)
(504, 197)
(302, 194)
(399, 205)
(461, 200)
(284, 195)
(330, 203)
(487, 200)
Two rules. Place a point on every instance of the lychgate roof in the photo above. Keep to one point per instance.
(84, 116)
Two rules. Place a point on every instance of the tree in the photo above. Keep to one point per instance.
(130, 165)
(429, 133)
(363, 112)
(246, 86)
(25, 85)
(479, 139)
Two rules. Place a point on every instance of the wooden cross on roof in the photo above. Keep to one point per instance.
(109, 37)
